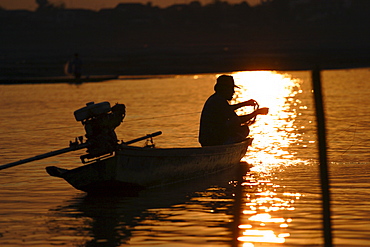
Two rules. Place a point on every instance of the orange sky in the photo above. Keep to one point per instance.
(98, 4)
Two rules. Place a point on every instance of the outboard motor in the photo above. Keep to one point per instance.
(100, 121)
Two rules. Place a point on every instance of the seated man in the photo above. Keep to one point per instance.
(219, 124)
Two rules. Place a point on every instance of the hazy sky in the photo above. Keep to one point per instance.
(98, 4)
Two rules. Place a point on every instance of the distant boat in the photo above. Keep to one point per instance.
(135, 168)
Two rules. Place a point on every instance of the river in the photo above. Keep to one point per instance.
(281, 195)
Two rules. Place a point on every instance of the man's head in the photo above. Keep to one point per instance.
(119, 108)
(225, 86)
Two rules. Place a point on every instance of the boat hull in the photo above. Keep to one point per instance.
(135, 168)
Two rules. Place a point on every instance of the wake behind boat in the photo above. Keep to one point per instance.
(119, 168)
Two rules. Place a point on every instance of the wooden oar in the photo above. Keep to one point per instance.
(143, 138)
(73, 147)
(46, 155)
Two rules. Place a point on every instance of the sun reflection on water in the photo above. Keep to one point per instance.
(265, 204)
(276, 131)
(264, 217)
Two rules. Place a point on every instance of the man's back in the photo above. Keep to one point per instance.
(213, 123)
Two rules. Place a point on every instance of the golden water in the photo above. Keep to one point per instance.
(281, 199)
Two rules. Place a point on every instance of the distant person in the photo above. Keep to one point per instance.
(219, 124)
(75, 66)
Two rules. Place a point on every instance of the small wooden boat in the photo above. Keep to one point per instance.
(118, 168)
(134, 168)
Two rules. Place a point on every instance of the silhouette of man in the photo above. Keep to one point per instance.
(219, 124)
(76, 66)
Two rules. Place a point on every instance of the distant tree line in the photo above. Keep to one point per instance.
(217, 36)
(218, 14)
(46, 5)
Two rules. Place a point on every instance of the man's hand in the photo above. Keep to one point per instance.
(263, 111)
(250, 102)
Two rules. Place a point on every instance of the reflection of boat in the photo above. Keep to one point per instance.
(59, 79)
(117, 220)
(134, 168)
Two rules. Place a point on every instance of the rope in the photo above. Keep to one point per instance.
(352, 142)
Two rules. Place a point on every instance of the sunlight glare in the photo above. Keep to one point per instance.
(276, 131)
(275, 134)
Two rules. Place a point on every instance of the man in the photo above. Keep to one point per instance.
(219, 124)
(76, 66)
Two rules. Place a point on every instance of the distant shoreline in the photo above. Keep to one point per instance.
(155, 64)
(136, 39)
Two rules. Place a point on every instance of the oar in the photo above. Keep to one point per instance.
(46, 155)
(143, 138)
(69, 149)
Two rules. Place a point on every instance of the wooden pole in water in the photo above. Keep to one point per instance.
(321, 132)
(242, 170)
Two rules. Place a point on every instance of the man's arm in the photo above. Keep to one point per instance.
(246, 118)
(250, 102)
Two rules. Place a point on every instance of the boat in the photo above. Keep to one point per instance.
(135, 168)
(110, 167)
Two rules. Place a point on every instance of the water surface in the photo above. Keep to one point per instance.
(281, 199)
